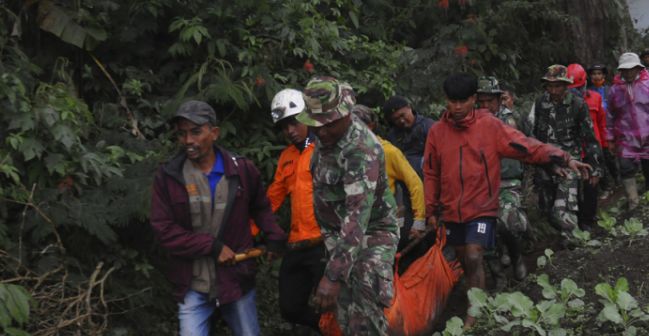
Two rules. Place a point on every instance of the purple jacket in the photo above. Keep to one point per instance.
(171, 222)
(629, 117)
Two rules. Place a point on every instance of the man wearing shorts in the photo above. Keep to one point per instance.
(462, 173)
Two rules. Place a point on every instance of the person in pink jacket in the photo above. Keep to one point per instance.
(628, 132)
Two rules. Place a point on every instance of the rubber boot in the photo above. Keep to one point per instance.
(520, 270)
(631, 189)
(504, 256)
(498, 274)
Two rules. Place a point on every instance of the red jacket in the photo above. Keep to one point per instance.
(171, 221)
(462, 164)
(598, 115)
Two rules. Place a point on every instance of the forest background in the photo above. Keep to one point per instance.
(87, 87)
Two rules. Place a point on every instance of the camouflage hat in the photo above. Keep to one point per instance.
(557, 73)
(365, 114)
(327, 100)
(489, 85)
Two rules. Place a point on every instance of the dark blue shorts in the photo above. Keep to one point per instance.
(480, 231)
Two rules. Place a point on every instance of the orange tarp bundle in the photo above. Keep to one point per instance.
(420, 294)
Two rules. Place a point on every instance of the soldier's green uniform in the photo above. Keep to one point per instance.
(355, 210)
(511, 214)
(512, 220)
(568, 126)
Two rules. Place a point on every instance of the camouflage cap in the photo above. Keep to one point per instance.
(557, 73)
(489, 85)
(327, 100)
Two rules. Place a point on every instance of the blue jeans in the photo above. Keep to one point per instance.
(195, 312)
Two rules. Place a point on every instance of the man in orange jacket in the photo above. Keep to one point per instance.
(462, 173)
(304, 263)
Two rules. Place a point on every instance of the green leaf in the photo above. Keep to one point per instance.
(549, 292)
(64, 135)
(606, 291)
(16, 332)
(17, 302)
(611, 314)
(31, 148)
(5, 318)
(626, 302)
(55, 20)
(477, 297)
(354, 18)
(556, 312)
(454, 327)
(541, 261)
(520, 304)
(622, 285)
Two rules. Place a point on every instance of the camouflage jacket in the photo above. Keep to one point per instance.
(510, 169)
(353, 204)
(568, 126)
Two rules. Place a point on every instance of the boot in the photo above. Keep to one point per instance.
(520, 270)
(631, 189)
(500, 280)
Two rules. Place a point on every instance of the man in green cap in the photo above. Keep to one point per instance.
(562, 119)
(512, 220)
(355, 210)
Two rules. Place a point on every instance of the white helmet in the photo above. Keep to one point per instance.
(286, 103)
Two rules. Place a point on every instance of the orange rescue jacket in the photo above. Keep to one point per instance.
(293, 177)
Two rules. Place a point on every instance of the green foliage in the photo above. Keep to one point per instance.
(515, 310)
(583, 239)
(14, 309)
(545, 259)
(634, 228)
(607, 222)
(568, 294)
(620, 308)
(454, 327)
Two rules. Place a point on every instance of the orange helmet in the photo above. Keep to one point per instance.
(578, 75)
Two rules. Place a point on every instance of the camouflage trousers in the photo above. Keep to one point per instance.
(511, 216)
(368, 291)
(558, 199)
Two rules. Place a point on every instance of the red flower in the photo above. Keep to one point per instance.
(260, 81)
(308, 66)
(66, 184)
(442, 4)
(461, 50)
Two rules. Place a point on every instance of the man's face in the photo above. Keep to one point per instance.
(557, 90)
(630, 75)
(596, 75)
(294, 131)
(197, 140)
(490, 102)
(330, 133)
(507, 99)
(403, 118)
(461, 107)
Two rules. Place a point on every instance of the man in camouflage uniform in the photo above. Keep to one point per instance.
(354, 208)
(562, 119)
(512, 220)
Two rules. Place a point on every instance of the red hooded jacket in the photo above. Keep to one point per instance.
(462, 164)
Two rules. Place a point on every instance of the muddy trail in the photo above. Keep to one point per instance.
(603, 258)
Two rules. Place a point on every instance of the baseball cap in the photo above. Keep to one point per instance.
(196, 111)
